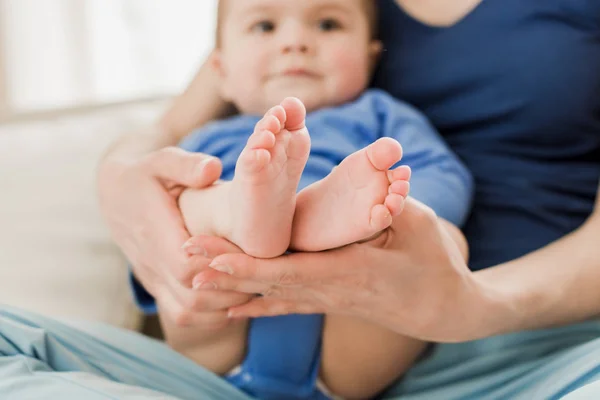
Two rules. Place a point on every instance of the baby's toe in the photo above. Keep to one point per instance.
(253, 160)
(381, 218)
(261, 140)
(270, 122)
(400, 188)
(402, 173)
(395, 204)
(295, 113)
(384, 153)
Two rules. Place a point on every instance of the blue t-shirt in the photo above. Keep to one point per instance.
(514, 89)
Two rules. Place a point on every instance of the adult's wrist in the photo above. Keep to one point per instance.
(495, 305)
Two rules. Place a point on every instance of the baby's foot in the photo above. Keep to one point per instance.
(262, 195)
(356, 201)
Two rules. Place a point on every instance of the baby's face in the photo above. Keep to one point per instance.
(320, 51)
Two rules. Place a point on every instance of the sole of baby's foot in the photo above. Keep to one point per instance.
(262, 194)
(357, 200)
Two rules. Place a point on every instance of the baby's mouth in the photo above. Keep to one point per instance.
(298, 73)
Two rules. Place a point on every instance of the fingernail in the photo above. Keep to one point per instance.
(202, 165)
(221, 268)
(195, 250)
(201, 285)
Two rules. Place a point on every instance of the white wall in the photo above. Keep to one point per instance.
(65, 53)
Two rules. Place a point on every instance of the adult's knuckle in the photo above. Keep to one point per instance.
(196, 264)
(197, 302)
(182, 272)
(215, 322)
(182, 317)
(142, 232)
(286, 278)
(425, 215)
(272, 291)
(362, 281)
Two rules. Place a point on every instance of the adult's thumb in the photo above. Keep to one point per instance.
(194, 170)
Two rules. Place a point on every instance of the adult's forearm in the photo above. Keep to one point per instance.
(199, 104)
(145, 140)
(556, 285)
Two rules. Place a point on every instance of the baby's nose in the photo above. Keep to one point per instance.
(295, 48)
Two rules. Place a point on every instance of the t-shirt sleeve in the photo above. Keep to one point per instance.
(143, 299)
(439, 179)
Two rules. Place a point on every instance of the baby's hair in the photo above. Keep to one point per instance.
(369, 6)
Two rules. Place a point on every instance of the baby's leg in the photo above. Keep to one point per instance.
(354, 202)
(360, 359)
(255, 210)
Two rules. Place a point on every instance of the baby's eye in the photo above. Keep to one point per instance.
(329, 24)
(263, 27)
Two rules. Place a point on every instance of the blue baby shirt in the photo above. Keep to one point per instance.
(439, 179)
(284, 352)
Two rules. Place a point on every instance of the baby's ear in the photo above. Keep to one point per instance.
(375, 49)
(215, 62)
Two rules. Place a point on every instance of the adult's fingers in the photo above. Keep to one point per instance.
(194, 255)
(172, 309)
(306, 269)
(172, 164)
(271, 307)
(150, 249)
(289, 270)
(211, 279)
(203, 300)
(208, 301)
(322, 280)
(209, 246)
(198, 252)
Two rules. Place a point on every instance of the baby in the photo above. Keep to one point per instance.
(283, 192)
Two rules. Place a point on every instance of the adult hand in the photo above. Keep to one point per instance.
(411, 279)
(139, 201)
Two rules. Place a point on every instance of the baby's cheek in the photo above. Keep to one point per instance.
(246, 74)
(352, 71)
